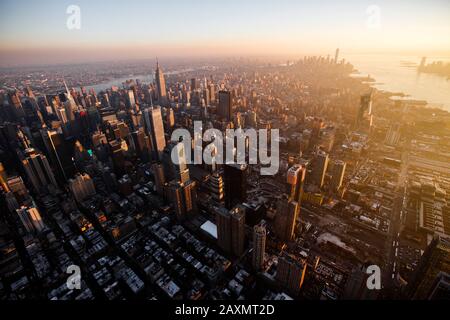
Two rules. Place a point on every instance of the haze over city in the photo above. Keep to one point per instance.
(35, 32)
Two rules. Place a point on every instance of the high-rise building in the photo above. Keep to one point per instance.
(225, 108)
(170, 118)
(16, 104)
(216, 187)
(118, 156)
(70, 105)
(175, 163)
(38, 170)
(175, 191)
(435, 259)
(131, 101)
(3, 178)
(237, 230)
(61, 151)
(319, 169)
(290, 272)
(235, 179)
(206, 100)
(251, 120)
(183, 197)
(31, 219)
(81, 187)
(193, 84)
(337, 174)
(286, 218)
(364, 115)
(18, 188)
(440, 290)
(143, 144)
(212, 93)
(336, 55)
(160, 180)
(231, 229)
(155, 128)
(160, 84)
(259, 245)
(223, 222)
(295, 180)
(190, 197)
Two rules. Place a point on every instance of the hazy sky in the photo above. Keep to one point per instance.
(34, 32)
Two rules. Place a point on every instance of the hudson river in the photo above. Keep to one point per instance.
(399, 74)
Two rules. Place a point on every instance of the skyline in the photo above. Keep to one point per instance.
(36, 33)
(224, 152)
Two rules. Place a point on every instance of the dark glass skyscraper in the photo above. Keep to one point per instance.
(235, 180)
(435, 259)
(224, 109)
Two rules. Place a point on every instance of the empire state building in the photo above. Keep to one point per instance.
(161, 84)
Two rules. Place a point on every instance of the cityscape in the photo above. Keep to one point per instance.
(103, 196)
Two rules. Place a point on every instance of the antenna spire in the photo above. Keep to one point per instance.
(65, 86)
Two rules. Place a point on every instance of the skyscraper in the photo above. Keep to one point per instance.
(285, 219)
(31, 219)
(175, 191)
(183, 197)
(61, 151)
(131, 101)
(231, 229)
(435, 259)
(190, 197)
(441, 287)
(212, 93)
(70, 105)
(259, 245)
(170, 118)
(320, 168)
(82, 187)
(143, 144)
(160, 84)
(295, 180)
(3, 178)
(237, 230)
(193, 84)
(364, 115)
(38, 170)
(16, 104)
(155, 128)
(223, 219)
(337, 174)
(224, 109)
(235, 179)
(336, 55)
(290, 272)
(216, 187)
(160, 180)
(174, 162)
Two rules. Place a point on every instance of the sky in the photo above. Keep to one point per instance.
(36, 32)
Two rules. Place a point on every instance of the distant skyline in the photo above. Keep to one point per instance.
(35, 32)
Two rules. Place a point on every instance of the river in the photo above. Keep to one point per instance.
(397, 73)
